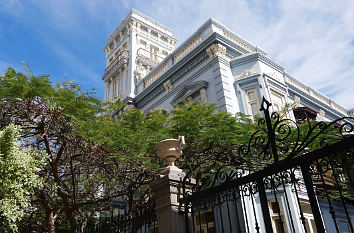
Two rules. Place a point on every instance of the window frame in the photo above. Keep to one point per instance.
(250, 102)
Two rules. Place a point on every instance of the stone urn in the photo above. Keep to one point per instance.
(170, 150)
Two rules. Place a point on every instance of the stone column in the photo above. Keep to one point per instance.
(168, 189)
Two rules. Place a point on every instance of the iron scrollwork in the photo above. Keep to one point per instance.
(279, 138)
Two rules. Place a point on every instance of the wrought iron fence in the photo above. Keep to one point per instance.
(299, 178)
(141, 220)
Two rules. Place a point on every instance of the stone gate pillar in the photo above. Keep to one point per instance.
(168, 188)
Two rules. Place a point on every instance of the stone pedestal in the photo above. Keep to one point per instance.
(168, 188)
(168, 191)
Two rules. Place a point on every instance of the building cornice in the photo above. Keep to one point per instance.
(311, 100)
(256, 57)
(166, 31)
(173, 74)
(303, 88)
(178, 64)
(223, 27)
(214, 37)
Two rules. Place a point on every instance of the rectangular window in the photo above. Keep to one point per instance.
(143, 28)
(252, 102)
(143, 43)
(204, 221)
(278, 101)
(154, 52)
(276, 209)
(117, 88)
(309, 219)
(154, 33)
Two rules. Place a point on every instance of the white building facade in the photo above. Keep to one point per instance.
(213, 65)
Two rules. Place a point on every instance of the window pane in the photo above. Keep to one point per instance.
(254, 108)
(306, 208)
(344, 227)
(279, 227)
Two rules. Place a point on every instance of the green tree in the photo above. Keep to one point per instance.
(76, 169)
(95, 157)
(18, 177)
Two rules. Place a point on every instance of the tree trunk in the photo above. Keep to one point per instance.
(83, 224)
(50, 222)
(49, 213)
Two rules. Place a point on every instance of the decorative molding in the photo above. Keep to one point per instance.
(275, 83)
(151, 20)
(168, 86)
(216, 50)
(192, 43)
(132, 15)
(274, 75)
(118, 63)
(156, 88)
(203, 95)
(195, 75)
(314, 103)
(188, 90)
(246, 73)
(300, 87)
(256, 57)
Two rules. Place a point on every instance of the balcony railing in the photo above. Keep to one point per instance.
(121, 59)
(148, 58)
(312, 92)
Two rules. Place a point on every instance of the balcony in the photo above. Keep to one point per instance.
(148, 58)
(120, 60)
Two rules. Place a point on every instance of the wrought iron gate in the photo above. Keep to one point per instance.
(299, 179)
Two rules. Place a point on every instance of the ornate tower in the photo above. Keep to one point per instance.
(135, 47)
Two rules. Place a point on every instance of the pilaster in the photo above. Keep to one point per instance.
(132, 63)
(225, 94)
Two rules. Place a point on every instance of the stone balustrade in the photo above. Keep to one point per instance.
(154, 58)
(153, 76)
(238, 41)
(187, 48)
(312, 92)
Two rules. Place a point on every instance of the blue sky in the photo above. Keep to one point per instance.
(313, 40)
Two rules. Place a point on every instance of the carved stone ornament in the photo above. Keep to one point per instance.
(216, 50)
(168, 86)
(190, 89)
(246, 73)
(203, 96)
(274, 75)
